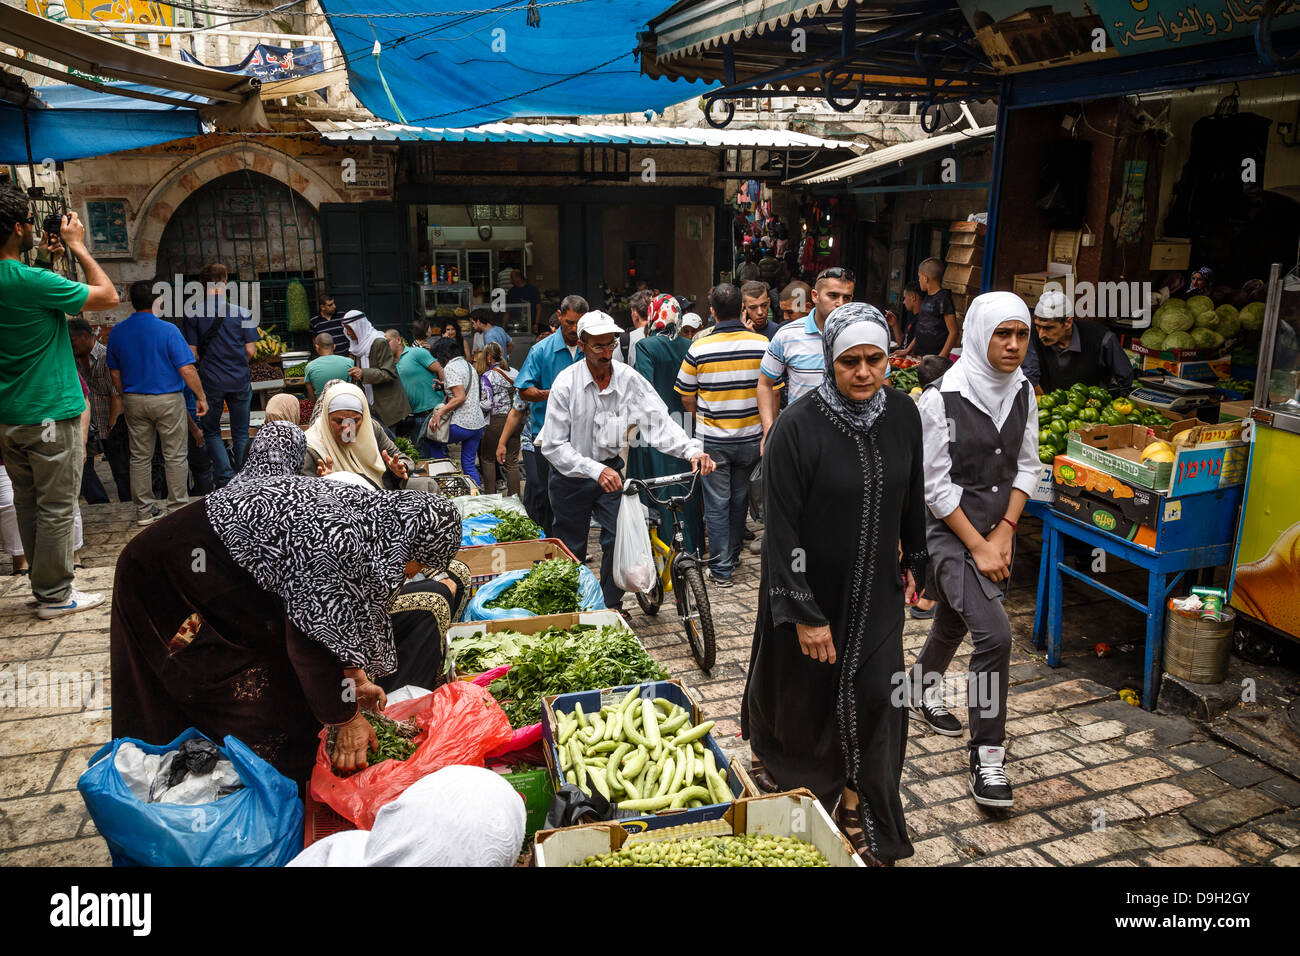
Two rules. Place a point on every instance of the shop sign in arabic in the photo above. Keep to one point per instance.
(140, 12)
(1019, 37)
(1142, 25)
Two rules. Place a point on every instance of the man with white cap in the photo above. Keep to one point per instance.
(1063, 351)
(691, 325)
(594, 407)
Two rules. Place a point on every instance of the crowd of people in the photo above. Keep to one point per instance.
(288, 579)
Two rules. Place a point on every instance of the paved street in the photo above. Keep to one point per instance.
(1097, 781)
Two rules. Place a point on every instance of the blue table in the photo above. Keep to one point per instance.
(1164, 571)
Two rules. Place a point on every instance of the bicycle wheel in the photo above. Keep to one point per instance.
(651, 600)
(696, 615)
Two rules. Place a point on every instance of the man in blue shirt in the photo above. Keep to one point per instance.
(151, 365)
(222, 337)
(546, 360)
(491, 332)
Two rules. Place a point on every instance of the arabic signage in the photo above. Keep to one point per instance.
(143, 12)
(1015, 37)
(272, 62)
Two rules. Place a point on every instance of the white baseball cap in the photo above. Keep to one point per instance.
(597, 323)
(692, 321)
(1053, 304)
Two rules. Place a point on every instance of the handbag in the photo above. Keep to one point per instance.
(442, 433)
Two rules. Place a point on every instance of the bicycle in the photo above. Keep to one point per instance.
(679, 571)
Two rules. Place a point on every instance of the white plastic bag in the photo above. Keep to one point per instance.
(634, 562)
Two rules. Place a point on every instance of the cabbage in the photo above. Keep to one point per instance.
(1153, 339)
(1179, 340)
(1206, 338)
(1206, 320)
(1229, 321)
(1200, 303)
(1252, 317)
(1173, 316)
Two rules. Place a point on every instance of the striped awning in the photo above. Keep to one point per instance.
(695, 25)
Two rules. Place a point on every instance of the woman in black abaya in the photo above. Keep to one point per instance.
(824, 706)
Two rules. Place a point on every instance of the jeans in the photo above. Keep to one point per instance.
(117, 449)
(468, 452)
(726, 501)
(574, 501)
(92, 489)
(491, 439)
(238, 401)
(537, 495)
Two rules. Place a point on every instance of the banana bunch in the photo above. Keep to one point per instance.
(268, 347)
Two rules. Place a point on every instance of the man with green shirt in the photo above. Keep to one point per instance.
(420, 373)
(41, 402)
(325, 367)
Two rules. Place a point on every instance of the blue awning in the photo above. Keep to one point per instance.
(79, 123)
(478, 68)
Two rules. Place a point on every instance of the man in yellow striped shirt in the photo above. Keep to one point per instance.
(718, 381)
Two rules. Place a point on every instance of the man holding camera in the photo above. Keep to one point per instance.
(41, 402)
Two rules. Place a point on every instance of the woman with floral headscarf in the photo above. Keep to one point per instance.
(658, 358)
(843, 484)
(250, 613)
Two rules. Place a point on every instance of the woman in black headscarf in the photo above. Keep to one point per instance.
(842, 487)
(263, 611)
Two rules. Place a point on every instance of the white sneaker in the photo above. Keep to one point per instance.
(77, 601)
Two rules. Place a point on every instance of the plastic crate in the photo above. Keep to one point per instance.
(486, 562)
(320, 821)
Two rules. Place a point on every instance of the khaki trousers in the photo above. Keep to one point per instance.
(44, 464)
(164, 416)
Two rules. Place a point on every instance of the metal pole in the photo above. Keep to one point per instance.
(995, 191)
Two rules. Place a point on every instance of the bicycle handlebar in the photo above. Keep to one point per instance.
(630, 485)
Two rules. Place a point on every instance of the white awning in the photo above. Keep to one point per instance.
(697, 25)
(888, 156)
(580, 135)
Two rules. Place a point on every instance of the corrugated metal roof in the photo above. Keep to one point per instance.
(702, 24)
(887, 156)
(579, 134)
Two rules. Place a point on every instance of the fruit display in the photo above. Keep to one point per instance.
(295, 301)
(1061, 412)
(268, 347)
(296, 371)
(264, 372)
(1158, 452)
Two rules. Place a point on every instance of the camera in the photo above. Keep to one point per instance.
(53, 223)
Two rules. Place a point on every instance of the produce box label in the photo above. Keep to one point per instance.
(1204, 468)
(1073, 477)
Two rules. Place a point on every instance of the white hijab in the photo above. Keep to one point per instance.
(989, 390)
(367, 335)
(360, 457)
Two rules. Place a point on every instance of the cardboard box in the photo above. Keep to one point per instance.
(1200, 370)
(1171, 255)
(1044, 490)
(1175, 355)
(1029, 285)
(487, 561)
(966, 239)
(1074, 478)
(1211, 457)
(962, 278)
(966, 255)
(1105, 517)
(1235, 411)
(796, 814)
(672, 690)
(966, 227)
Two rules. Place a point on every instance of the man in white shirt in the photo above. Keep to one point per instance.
(594, 407)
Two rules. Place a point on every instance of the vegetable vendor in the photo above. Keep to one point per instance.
(843, 486)
(1063, 351)
(981, 465)
(594, 407)
(263, 601)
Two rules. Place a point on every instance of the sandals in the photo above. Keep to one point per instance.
(20, 573)
(850, 823)
(762, 779)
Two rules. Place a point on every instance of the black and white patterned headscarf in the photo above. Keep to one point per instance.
(336, 554)
(847, 322)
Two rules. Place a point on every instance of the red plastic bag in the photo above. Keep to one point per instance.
(521, 738)
(460, 724)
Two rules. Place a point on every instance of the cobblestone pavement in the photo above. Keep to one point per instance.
(1096, 781)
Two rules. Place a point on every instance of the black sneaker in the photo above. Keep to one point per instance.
(988, 777)
(934, 715)
(717, 580)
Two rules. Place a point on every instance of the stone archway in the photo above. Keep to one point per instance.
(178, 185)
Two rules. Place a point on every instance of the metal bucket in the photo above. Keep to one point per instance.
(1196, 648)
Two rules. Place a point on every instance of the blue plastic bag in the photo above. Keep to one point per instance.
(478, 530)
(590, 597)
(259, 825)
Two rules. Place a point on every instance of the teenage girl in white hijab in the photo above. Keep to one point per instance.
(979, 426)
